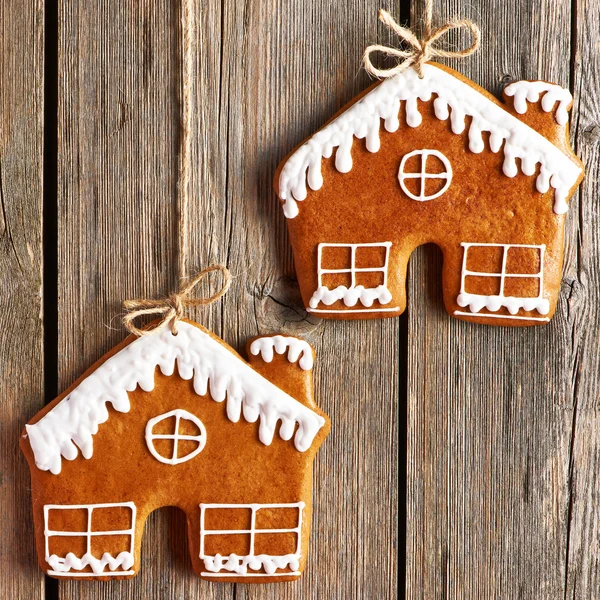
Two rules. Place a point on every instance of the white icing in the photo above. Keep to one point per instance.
(73, 421)
(476, 302)
(495, 316)
(71, 561)
(240, 564)
(493, 303)
(64, 565)
(355, 293)
(455, 100)
(175, 436)
(295, 348)
(423, 175)
(530, 91)
(351, 295)
(358, 310)
(279, 574)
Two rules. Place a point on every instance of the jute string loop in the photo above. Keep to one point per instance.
(188, 31)
(421, 50)
(171, 309)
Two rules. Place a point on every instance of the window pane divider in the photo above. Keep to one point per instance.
(502, 274)
(353, 270)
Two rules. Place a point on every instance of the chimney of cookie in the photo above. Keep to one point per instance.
(541, 105)
(286, 362)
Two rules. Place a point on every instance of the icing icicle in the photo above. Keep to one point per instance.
(297, 350)
(454, 100)
(351, 296)
(477, 302)
(241, 564)
(530, 91)
(73, 421)
(64, 565)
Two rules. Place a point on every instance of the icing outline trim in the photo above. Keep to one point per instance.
(424, 175)
(179, 414)
(495, 302)
(347, 311)
(237, 564)
(494, 316)
(62, 566)
(354, 293)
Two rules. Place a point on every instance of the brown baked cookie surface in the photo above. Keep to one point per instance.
(437, 160)
(180, 420)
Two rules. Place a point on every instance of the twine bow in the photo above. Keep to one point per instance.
(421, 50)
(172, 308)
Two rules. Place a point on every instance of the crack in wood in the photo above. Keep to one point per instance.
(7, 230)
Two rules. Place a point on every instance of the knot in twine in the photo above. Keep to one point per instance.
(172, 308)
(421, 50)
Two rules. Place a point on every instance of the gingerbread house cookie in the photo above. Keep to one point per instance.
(180, 420)
(434, 159)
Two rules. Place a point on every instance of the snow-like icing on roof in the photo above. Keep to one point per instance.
(530, 91)
(455, 100)
(73, 421)
(297, 350)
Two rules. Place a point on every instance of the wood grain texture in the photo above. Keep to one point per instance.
(582, 569)
(503, 427)
(497, 430)
(119, 78)
(259, 65)
(21, 325)
(283, 53)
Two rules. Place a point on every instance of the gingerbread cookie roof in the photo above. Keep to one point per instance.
(455, 100)
(198, 356)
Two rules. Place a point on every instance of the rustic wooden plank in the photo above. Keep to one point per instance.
(118, 134)
(583, 556)
(21, 315)
(286, 68)
(491, 410)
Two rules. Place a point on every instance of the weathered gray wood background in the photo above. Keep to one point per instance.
(463, 459)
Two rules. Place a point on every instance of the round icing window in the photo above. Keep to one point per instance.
(175, 437)
(424, 174)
